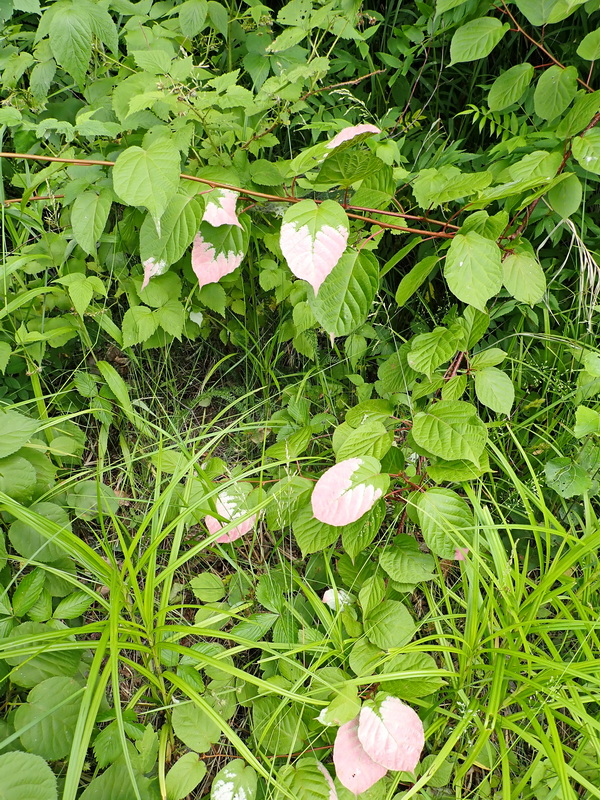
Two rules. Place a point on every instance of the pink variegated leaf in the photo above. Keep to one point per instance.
(152, 268)
(217, 251)
(348, 490)
(329, 781)
(351, 135)
(460, 554)
(354, 768)
(313, 239)
(232, 504)
(220, 208)
(391, 733)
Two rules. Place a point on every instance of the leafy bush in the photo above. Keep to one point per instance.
(358, 554)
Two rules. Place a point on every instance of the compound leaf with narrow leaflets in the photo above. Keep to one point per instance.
(50, 717)
(24, 776)
(313, 239)
(346, 296)
(184, 776)
(476, 39)
(236, 781)
(348, 490)
(88, 218)
(178, 226)
(451, 430)
(524, 277)
(495, 389)
(554, 92)
(473, 269)
(391, 733)
(148, 177)
(218, 251)
(446, 521)
(510, 86)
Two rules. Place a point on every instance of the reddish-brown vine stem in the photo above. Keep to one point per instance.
(82, 162)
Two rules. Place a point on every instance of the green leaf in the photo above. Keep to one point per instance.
(495, 390)
(184, 776)
(347, 167)
(207, 587)
(15, 430)
(555, 90)
(443, 515)
(293, 446)
(566, 198)
(88, 217)
(346, 295)
(540, 12)
(434, 187)
(409, 688)
(265, 173)
(586, 150)
(289, 494)
(30, 670)
(476, 39)
(370, 439)
(219, 17)
(276, 729)
(192, 18)
(429, 350)
(487, 358)
(405, 562)
(52, 709)
(171, 318)
(115, 783)
(5, 354)
(413, 280)
(89, 499)
(357, 537)
(73, 605)
(139, 323)
(28, 592)
(24, 776)
(580, 115)
(304, 781)
(567, 478)
(311, 534)
(509, 87)
(17, 477)
(32, 545)
(194, 727)
(156, 62)
(473, 269)
(148, 177)
(524, 277)
(390, 625)
(589, 47)
(70, 35)
(587, 421)
(451, 430)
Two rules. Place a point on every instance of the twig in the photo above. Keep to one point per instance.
(247, 192)
(33, 197)
(343, 83)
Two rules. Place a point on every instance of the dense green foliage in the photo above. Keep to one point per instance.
(248, 247)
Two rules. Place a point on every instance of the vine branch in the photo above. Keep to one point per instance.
(83, 162)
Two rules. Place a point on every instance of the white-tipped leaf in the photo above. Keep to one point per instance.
(152, 268)
(313, 239)
(232, 504)
(217, 251)
(348, 490)
(220, 208)
(355, 769)
(391, 734)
